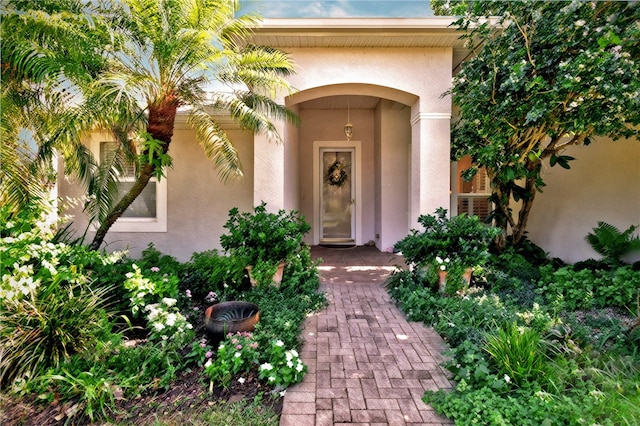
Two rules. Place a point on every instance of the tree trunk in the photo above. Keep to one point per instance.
(162, 118)
(523, 215)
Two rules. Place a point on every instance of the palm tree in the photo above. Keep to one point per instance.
(175, 51)
(127, 67)
(50, 48)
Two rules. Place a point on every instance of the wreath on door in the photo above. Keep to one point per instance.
(336, 174)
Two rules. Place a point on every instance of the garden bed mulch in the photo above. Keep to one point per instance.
(187, 397)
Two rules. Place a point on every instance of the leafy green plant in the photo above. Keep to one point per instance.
(611, 243)
(237, 353)
(282, 311)
(283, 367)
(49, 309)
(463, 239)
(211, 271)
(518, 353)
(48, 326)
(263, 239)
(571, 289)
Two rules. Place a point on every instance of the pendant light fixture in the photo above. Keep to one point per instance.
(348, 127)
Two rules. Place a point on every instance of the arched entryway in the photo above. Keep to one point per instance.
(371, 204)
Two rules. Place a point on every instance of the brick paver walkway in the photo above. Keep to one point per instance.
(367, 364)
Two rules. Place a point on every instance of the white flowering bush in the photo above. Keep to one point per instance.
(165, 322)
(284, 367)
(148, 297)
(236, 353)
(48, 308)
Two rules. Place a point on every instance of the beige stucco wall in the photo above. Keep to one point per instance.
(603, 184)
(392, 175)
(198, 203)
(422, 72)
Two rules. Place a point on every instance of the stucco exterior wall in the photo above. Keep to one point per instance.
(392, 170)
(422, 72)
(198, 204)
(603, 184)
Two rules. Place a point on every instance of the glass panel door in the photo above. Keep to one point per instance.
(336, 211)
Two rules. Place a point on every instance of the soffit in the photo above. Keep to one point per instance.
(362, 33)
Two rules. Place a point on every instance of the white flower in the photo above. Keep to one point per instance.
(272, 378)
(237, 355)
(208, 363)
(282, 393)
(171, 320)
(507, 378)
(580, 23)
(266, 366)
(241, 380)
(158, 326)
(438, 259)
(279, 343)
(289, 364)
(169, 301)
(300, 367)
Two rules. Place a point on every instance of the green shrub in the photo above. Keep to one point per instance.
(49, 309)
(282, 312)
(470, 317)
(463, 239)
(567, 288)
(210, 271)
(613, 244)
(48, 326)
(262, 239)
(518, 354)
(485, 406)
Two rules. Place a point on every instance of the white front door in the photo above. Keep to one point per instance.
(337, 196)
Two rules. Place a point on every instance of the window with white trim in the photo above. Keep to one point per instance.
(148, 212)
(471, 197)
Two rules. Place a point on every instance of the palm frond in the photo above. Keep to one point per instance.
(103, 186)
(254, 112)
(216, 144)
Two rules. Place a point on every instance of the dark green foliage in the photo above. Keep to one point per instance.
(567, 288)
(516, 361)
(262, 239)
(611, 243)
(463, 239)
(591, 264)
(210, 271)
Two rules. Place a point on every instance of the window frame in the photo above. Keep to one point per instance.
(456, 194)
(137, 224)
